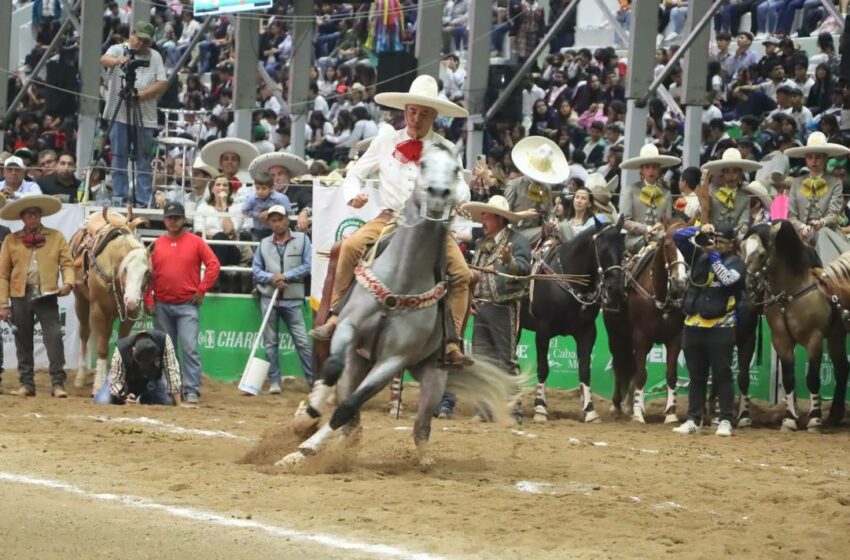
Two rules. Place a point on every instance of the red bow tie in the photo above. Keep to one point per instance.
(33, 240)
(409, 150)
(235, 184)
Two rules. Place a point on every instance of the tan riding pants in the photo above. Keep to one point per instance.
(354, 246)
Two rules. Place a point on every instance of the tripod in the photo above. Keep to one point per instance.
(129, 98)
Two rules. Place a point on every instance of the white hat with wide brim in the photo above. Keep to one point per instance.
(423, 91)
(47, 204)
(731, 159)
(383, 129)
(602, 191)
(294, 164)
(755, 188)
(541, 160)
(649, 155)
(201, 165)
(497, 204)
(817, 144)
(247, 152)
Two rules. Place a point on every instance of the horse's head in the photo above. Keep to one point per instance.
(133, 272)
(610, 245)
(753, 249)
(674, 262)
(435, 192)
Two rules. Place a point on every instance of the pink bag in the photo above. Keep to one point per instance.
(779, 207)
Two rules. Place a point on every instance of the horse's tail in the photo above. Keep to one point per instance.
(486, 384)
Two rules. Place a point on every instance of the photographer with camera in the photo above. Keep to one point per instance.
(135, 79)
(715, 288)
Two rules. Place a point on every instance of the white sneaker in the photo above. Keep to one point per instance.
(761, 37)
(688, 427)
(724, 429)
(670, 37)
(274, 388)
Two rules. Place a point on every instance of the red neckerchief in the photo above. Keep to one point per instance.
(33, 240)
(409, 150)
(235, 184)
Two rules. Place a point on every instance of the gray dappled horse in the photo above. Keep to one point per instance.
(392, 322)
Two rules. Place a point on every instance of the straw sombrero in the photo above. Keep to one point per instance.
(817, 144)
(602, 192)
(292, 162)
(247, 152)
(758, 190)
(541, 160)
(497, 204)
(49, 205)
(423, 91)
(200, 165)
(649, 155)
(383, 128)
(731, 160)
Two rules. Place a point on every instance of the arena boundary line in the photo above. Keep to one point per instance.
(193, 514)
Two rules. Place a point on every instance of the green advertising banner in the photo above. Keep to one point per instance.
(227, 334)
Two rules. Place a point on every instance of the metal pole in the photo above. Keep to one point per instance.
(833, 11)
(69, 13)
(60, 36)
(554, 30)
(477, 71)
(5, 60)
(142, 11)
(299, 75)
(695, 74)
(245, 73)
(686, 44)
(612, 19)
(184, 58)
(429, 37)
(91, 29)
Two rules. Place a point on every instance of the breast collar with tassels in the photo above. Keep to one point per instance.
(366, 278)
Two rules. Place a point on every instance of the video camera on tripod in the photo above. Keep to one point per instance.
(132, 64)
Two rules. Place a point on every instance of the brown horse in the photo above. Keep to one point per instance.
(799, 311)
(113, 271)
(653, 315)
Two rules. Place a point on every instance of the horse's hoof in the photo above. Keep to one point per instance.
(541, 414)
(395, 409)
(615, 412)
(80, 380)
(591, 417)
(638, 418)
(814, 426)
(671, 418)
(788, 425)
(427, 463)
(745, 422)
(292, 461)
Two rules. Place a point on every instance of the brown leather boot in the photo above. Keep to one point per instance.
(455, 358)
(326, 331)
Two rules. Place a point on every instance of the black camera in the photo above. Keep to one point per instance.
(703, 239)
(133, 62)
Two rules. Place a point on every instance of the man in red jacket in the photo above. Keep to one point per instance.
(178, 290)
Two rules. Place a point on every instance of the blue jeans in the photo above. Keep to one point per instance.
(325, 43)
(786, 16)
(678, 16)
(118, 139)
(624, 19)
(180, 321)
(293, 318)
(175, 52)
(207, 56)
(767, 15)
(498, 35)
(159, 395)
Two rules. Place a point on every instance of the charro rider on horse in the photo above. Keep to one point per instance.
(728, 206)
(395, 159)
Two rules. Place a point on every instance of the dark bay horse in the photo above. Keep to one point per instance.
(653, 315)
(559, 309)
(799, 312)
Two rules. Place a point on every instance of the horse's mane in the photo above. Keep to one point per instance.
(761, 230)
(790, 249)
(839, 269)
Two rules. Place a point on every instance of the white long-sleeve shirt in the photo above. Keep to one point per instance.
(396, 179)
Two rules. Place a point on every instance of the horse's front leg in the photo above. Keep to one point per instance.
(642, 347)
(814, 348)
(355, 371)
(102, 321)
(836, 344)
(786, 362)
(541, 344)
(432, 385)
(673, 349)
(82, 307)
(584, 348)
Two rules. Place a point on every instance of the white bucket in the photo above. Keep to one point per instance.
(254, 376)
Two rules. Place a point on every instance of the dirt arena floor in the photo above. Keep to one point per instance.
(79, 481)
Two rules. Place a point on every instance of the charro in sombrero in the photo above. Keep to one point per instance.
(541, 160)
(212, 152)
(603, 192)
(731, 159)
(756, 189)
(497, 204)
(423, 91)
(649, 155)
(201, 165)
(47, 204)
(817, 144)
(294, 164)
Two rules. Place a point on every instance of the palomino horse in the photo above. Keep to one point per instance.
(558, 309)
(113, 271)
(382, 332)
(653, 315)
(799, 312)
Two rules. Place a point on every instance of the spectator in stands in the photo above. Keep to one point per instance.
(319, 103)
(13, 185)
(63, 183)
(178, 289)
(364, 127)
(743, 57)
(530, 27)
(454, 77)
(163, 33)
(47, 162)
(454, 24)
(347, 51)
(191, 27)
(256, 205)
(260, 138)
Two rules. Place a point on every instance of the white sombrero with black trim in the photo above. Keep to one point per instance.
(423, 91)
(212, 152)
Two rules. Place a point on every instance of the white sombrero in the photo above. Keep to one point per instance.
(602, 191)
(247, 152)
(731, 160)
(817, 144)
(201, 165)
(423, 91)
(497, 204)
(649, 155)
(541, 160)
(383, 128)
(47, 204)
(755, 188)
(292, 162)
